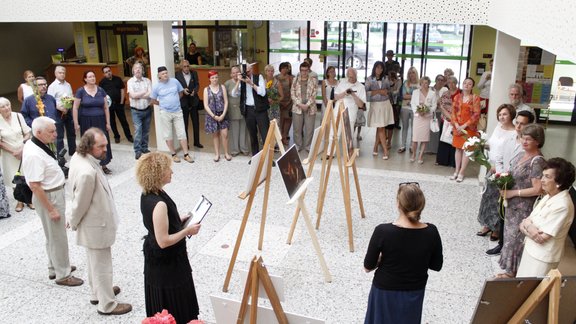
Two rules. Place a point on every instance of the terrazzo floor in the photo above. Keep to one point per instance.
(28, 296)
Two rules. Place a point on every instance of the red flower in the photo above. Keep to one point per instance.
(160, 318)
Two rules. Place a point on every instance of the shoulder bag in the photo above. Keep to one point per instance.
(22, 192)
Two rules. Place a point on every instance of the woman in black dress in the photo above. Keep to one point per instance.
(402, 252)
(168, 282)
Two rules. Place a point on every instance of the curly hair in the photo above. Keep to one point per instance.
(88, 140)
(150, 170)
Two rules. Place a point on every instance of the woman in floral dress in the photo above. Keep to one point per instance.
(216, 106)
(273, 92)
(526, 168)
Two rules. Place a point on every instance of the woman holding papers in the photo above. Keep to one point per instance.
(168, 282)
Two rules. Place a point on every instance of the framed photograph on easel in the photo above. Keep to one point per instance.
(292, 172)
(348, 131)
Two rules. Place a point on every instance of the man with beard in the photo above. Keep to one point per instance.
(93, 214)
(30, 105)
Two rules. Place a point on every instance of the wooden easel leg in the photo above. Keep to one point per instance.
(348, 208)
(357, 182)
(244, 302)
(238, 242)
(554, 301)
(254, 293)
(314, 239)
(324, 185)
(270, 153)
(293, 226)
(271, 292)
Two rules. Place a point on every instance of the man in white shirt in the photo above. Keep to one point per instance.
(58, 89)
(46, 179)
(139, 89)
(515, 94)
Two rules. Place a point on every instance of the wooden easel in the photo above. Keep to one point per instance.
(550, 286)
(323, 136)
(256, 274)
(272, 138)
(345, 162)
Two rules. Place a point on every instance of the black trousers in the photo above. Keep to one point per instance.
(192, 111)
(256, 121)
(117, 110)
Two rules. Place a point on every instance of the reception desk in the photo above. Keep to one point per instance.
(75, 72)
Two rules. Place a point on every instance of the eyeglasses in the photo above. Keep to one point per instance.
(41, 84)
(108, 71)
(409, 184)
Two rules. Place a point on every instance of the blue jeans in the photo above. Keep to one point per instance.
(66, 124)
(141, 119)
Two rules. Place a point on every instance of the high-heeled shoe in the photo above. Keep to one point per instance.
(484, 232)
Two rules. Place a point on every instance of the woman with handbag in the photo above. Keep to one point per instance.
(423, 103)
(216, 106)
(446, 152)
(13, 132)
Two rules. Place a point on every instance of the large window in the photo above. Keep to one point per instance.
(430, 48)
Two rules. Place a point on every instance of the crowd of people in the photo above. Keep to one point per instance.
(531, 233)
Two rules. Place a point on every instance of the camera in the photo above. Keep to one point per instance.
(243, 71)
(62, 162)
(349, 91)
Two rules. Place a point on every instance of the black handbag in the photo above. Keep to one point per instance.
(22, 191)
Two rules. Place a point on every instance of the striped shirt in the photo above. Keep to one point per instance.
(136, 86)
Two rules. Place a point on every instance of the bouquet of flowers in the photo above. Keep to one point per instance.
(166, 318)
(504, 181)
(474, 148)
(272, 92)
(67, 102)
(422, 109)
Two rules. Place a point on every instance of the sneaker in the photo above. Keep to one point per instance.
(175, 158)
(188, 159)
(495, 250)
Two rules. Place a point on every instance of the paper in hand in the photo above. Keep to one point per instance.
(197, 214)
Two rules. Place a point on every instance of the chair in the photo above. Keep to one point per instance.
(565, 87)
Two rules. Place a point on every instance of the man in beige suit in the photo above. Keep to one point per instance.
(93, 214)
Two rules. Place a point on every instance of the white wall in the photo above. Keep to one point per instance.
(28, 47)
(547, 24)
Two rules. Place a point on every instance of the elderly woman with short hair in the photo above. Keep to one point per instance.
(526, 169)
(13, 132)
(547, 226)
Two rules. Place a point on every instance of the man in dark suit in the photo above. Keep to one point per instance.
(189, 101)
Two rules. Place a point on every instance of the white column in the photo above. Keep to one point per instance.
(504, 69)
(506, 54)
(161, 54)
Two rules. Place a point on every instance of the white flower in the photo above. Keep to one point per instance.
(483, 135)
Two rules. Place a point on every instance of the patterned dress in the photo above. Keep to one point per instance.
(4, 206)
(272, 92)
(216, 104)
(518, 209)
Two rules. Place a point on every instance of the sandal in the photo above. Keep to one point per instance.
(228, 157)
(420, 161)
(505, 275)
(460, 178)
(454, 176)
(217, 159)
(385, 157)
(375, 153)
(31, 206)
(402, 149)
(484, 232)
(19, 207)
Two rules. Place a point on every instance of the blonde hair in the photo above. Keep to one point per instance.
(150, 170)
(412, 69)
(411, 201)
